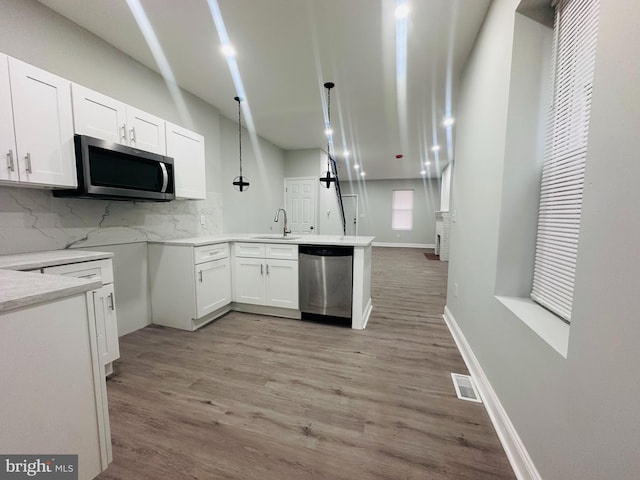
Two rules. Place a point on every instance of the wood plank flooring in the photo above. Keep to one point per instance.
(257, 397)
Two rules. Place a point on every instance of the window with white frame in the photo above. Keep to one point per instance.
(402, 210)
(575, 31)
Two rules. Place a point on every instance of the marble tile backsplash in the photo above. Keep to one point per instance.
(34, 220)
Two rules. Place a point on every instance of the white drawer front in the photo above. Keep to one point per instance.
(96, 269)
(210, 252)
(282, 251)
(253, 250)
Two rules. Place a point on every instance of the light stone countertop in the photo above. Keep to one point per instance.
(359, 241)
(32, 261)
(21, 289)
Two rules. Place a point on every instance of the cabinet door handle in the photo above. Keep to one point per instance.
(27, 159)
(123, 131)
(267, 269)
(261, 270)
(133, 135)
(10, 161)
(112, 304)
(89, 275)
(200, 273)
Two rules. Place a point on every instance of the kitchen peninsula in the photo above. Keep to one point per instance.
(195, 280)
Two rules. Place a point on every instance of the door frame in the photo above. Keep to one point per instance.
(316, 205)
(355, 195)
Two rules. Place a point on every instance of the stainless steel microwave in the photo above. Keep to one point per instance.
(112, 171)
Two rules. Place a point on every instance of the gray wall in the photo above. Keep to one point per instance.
(374, 205)
(577, 416)
(251, 211)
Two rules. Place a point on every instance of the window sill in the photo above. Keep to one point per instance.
(545, 324)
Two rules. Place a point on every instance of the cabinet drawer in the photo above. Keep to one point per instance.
(282, 251)
(210, 252)
(253, 250)
(96, 269)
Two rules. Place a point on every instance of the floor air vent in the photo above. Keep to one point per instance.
(465, 388)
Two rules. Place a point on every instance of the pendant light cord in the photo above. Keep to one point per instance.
(239, 136)
(329, 86)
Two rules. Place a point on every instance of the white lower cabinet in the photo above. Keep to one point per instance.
(103, 305)
(54, 395)
(261, 279)
(213, 286)
(190, 286)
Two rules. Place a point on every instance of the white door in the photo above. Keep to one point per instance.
(104, 304)
(350, 204)
(43, 125)
(9, 160)
(98, 116)
(282, 283)
(187, 150)
(213, 286)
(146, 131)
(300, 201)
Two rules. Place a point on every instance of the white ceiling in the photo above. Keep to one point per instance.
(287, 49)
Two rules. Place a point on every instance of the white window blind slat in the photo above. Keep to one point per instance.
(564, 155)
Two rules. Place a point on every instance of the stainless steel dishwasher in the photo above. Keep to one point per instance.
(325, 280)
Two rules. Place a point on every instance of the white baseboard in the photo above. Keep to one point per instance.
(404, 245)
(517, 454)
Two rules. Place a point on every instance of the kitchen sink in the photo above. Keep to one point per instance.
(274, 237)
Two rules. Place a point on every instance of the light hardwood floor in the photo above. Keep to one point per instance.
(256, 397)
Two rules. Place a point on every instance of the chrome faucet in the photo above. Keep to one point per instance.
(284, 230)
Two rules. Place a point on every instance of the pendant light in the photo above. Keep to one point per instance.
(327, 179)
(241, 183)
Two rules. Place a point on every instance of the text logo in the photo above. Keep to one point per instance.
(50, 467)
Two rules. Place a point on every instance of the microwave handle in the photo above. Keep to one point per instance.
(165, 178)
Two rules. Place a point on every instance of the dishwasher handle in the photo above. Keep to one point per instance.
(326, 250)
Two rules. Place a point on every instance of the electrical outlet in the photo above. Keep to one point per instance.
(455, 289)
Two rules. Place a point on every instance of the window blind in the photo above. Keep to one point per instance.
(402, 210)
(575, 31)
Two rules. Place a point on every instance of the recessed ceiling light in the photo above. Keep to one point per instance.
(328, 131)
(427, 163)
(435, 148)
(402, 11)
(448, 121)
(423, 172)
(362, 174)
(228, 50)
(346, 153)
(356, 166)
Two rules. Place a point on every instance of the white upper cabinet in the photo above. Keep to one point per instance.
(43, 124)
(103, 117)
(188, 153)
(99, 116)
(146, 131)
(8, 168)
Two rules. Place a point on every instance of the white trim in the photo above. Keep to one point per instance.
(515, 449)
(404, 245)
(366, 314)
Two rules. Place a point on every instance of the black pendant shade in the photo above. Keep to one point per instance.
(240, 183)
